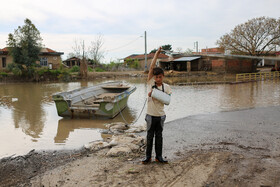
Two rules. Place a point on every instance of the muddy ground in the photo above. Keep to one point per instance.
(237, 148)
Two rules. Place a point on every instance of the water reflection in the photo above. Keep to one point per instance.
(67, 125)
(26, 103)
(249, 95)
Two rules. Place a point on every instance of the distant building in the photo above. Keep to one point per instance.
(73, 61)
(141, 59)
(48, 58)
(216, 63)
(213, 51)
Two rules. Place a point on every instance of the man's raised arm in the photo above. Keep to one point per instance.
(150, 74)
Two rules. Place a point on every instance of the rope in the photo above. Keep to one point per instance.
(136, 118)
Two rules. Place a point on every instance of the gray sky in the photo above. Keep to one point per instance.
(122, 22)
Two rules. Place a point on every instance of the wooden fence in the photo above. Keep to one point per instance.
(243, 77)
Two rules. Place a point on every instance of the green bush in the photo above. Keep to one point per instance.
(11, 67)
(64, 75)
(29, 72)
(133, 63)
(55, 72)
(113, 65)
(41, 71)
(98, 69)
(90, 69)
(3, 74)
(75, 69)
(17, 71)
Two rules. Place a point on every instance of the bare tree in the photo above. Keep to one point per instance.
(179, 49)
(256, 37)
(78, 49)
(79, 52)
(95, 51)
(188, 51)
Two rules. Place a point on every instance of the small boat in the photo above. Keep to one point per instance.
(106, 99)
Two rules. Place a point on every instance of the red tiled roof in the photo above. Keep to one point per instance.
(50, 50)
(4, 49)
(46, 51)
(151, 55)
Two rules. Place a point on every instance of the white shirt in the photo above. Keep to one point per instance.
(154, 106)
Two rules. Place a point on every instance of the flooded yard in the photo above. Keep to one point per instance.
(28, 117)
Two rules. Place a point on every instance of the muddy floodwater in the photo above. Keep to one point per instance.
(28, 117)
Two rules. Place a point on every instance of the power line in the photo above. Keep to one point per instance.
(125, 44)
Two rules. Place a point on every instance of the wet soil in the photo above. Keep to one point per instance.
(17, 171)
(214, 167)
(203, 167)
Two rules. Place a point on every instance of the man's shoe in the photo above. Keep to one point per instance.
(146, 160)
(161, 160)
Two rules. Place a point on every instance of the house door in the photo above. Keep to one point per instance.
(3, 62)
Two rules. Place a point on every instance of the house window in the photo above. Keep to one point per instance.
(44, 61)
(3, 62)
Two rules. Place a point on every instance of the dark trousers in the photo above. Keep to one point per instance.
(154, 130)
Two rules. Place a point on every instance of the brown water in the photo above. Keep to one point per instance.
(28, 118)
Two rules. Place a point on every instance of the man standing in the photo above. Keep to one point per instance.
(155, 116)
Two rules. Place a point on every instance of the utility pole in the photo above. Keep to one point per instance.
(196, 46)
(146, 68)
(83, 49)
(83, 65)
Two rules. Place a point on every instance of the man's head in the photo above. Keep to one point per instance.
(158, 75)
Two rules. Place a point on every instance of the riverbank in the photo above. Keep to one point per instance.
(194, 76)
(237, 148)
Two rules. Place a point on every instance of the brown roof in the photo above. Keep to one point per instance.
(72, 58)
(4, 49)
(47, 50)
(151, 55)
(43, 51)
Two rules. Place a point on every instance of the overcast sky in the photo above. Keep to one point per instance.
(123, 22)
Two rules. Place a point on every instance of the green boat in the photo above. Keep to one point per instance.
(106, 99)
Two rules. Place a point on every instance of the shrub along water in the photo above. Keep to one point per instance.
(17, 72)
(75, 69)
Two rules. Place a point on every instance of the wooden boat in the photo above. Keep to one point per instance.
(106, 99)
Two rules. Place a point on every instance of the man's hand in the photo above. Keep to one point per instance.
(158, 51)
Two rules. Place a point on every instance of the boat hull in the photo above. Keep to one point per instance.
(108, 109)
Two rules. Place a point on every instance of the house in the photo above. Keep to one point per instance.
(48, 58)
(141, 58)
(213, 62)
(73, 61)
(232, 63)
(183, 63)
